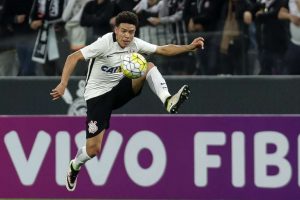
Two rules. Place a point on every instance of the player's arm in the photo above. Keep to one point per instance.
(68, 69)
(172, 49)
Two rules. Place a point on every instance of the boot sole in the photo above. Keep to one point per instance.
(183, 96)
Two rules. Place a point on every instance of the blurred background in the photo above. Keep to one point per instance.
(242, 37)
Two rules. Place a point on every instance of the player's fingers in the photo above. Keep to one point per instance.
(55, 95)
(199, 43)
(55, 98)
(54, 92)
(202, 45)
(200, 39)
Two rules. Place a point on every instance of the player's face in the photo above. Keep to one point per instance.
(124, 34)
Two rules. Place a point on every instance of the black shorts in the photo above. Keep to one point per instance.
(99, 108)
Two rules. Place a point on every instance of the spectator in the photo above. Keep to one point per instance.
(24, 36)
(291, 12)
(202, 17)
(97, 14)
(170, 16)
(44, 17)
(235, 37)
(123, 5)
(76, 33)
(272, 36)
(153, 34)
(171, 27)
(8, 61)
(252, 54)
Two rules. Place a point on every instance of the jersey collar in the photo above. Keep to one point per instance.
(114, 37)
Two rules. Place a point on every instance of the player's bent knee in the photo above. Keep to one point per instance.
(150, 65)
(93, 150)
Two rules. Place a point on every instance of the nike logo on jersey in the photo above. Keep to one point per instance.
(111, 70)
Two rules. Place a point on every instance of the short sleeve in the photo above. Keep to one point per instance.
(145, 47)
(95, 49)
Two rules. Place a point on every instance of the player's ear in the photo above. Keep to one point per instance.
(115, 29)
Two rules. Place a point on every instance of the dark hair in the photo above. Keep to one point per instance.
(127, 17)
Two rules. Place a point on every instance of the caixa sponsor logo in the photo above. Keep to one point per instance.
(111, 69)
(203, 160)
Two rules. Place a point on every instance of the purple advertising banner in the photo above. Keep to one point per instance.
(154, 157)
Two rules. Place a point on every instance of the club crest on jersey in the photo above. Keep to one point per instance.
(111, 70)
(93, 128)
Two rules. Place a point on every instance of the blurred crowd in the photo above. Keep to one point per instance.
(242, 37)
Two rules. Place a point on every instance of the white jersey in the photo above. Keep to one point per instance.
(106, 57)
(295, 30)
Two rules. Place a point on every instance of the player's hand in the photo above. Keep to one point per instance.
(198, 43)
(58, 91)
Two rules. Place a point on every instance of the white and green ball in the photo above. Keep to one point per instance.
(134, 65)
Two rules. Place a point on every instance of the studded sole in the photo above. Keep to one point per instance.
(183, 96)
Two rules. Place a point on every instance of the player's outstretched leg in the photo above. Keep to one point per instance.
(173, 102)
(71, 179)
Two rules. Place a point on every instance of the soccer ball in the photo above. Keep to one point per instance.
(134, 65)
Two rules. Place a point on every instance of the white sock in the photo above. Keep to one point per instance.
(80, 158)
(158, 84)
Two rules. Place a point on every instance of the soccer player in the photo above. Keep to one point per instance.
(107, 88)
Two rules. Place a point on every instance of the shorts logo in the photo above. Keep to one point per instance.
(93, 128)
